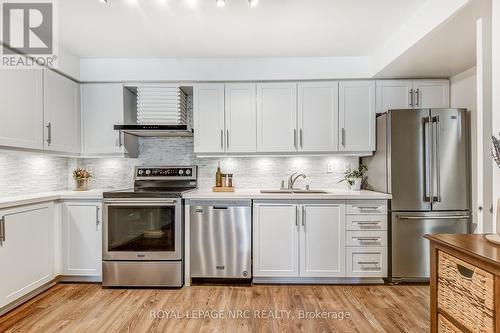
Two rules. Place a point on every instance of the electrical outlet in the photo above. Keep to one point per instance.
(329, 167)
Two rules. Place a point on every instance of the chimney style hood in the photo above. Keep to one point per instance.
(156, 130)
(156, 110)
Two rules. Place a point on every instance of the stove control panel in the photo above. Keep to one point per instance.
(165, 172)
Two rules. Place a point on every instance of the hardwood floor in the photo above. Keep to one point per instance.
(90, 308)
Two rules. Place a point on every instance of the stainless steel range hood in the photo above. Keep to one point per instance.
(156, 130)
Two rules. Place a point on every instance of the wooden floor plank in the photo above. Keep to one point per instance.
(91, 308)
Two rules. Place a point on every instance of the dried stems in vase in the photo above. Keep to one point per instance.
(496, 150)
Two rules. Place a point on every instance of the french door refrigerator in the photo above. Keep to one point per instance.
(422, 159)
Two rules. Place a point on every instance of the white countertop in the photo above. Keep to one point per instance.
(333, 194)
(28, 199)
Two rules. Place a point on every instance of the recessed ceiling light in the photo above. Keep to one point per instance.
(220, 3)
(253, 3)
(104, 1)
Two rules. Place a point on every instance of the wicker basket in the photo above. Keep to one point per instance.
(444, 326)
(466, 293)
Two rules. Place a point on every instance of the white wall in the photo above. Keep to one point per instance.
(463, 94)
(243, 69)
(496, 94)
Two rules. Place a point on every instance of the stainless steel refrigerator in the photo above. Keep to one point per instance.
(423, 160)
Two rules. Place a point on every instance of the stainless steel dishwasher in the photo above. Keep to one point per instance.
(221, 239)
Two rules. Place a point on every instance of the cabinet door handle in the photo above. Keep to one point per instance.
(301, 138)
(49, 134)
(97, 215)
(295, 138)
(221, 139)
(297, 216)
(417, 94)
(227, 139)
(304, 217)
(120, 139)
(2, 230)
(411, 98)
(343, 137)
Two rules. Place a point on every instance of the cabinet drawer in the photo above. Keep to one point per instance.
(365, 207)
(366, 222)
(444, 326)
(366, 238)
(366, 262)
(466, 293)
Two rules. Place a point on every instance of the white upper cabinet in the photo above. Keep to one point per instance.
(208, 107)
(82, 238)
(412, 94)
(394, 94)
(21, 118)
(103, 106)
(277, 117)
(357, 116)
(322, 242)
(431, 93)
(240, 118)
(318, 115)
(61, 113)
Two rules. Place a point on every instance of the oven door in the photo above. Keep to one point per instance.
(142, 229)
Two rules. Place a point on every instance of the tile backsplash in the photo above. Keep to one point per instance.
(27, 173)
(249, 172)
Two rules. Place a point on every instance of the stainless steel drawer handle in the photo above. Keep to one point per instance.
(368, 207)
(465, 272)
(367, 239)
(374, 263)
(367, 223)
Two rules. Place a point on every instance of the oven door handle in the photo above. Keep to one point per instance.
(138, 203)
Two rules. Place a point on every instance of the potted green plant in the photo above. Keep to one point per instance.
(355, 177)
(81, 177)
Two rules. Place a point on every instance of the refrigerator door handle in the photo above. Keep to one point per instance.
(436, 142)
(427, 160)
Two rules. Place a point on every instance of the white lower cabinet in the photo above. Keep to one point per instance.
(81, 238)
(276, 240)
(366, 261)
(322, 241)
(26, 250)
(298, 240)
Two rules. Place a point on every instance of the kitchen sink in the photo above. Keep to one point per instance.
(294, 191)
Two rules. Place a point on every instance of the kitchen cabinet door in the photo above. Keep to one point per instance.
(82, 239)
(431, 94)
(357, 116)
(61, 113)
(277, 117)
(318, 116)
(275, 240)
(21, 118)
(27, 251)
(394, 94)
(240, 114)
(103, 107)
(322, 240)
(209, 136)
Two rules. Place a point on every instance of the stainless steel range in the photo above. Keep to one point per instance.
(143, 229)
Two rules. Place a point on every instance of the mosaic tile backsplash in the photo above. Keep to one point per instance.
(249, 172)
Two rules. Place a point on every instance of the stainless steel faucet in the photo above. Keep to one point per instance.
(292, 179)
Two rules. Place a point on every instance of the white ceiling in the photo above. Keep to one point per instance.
(446, 51)
(199, 29)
